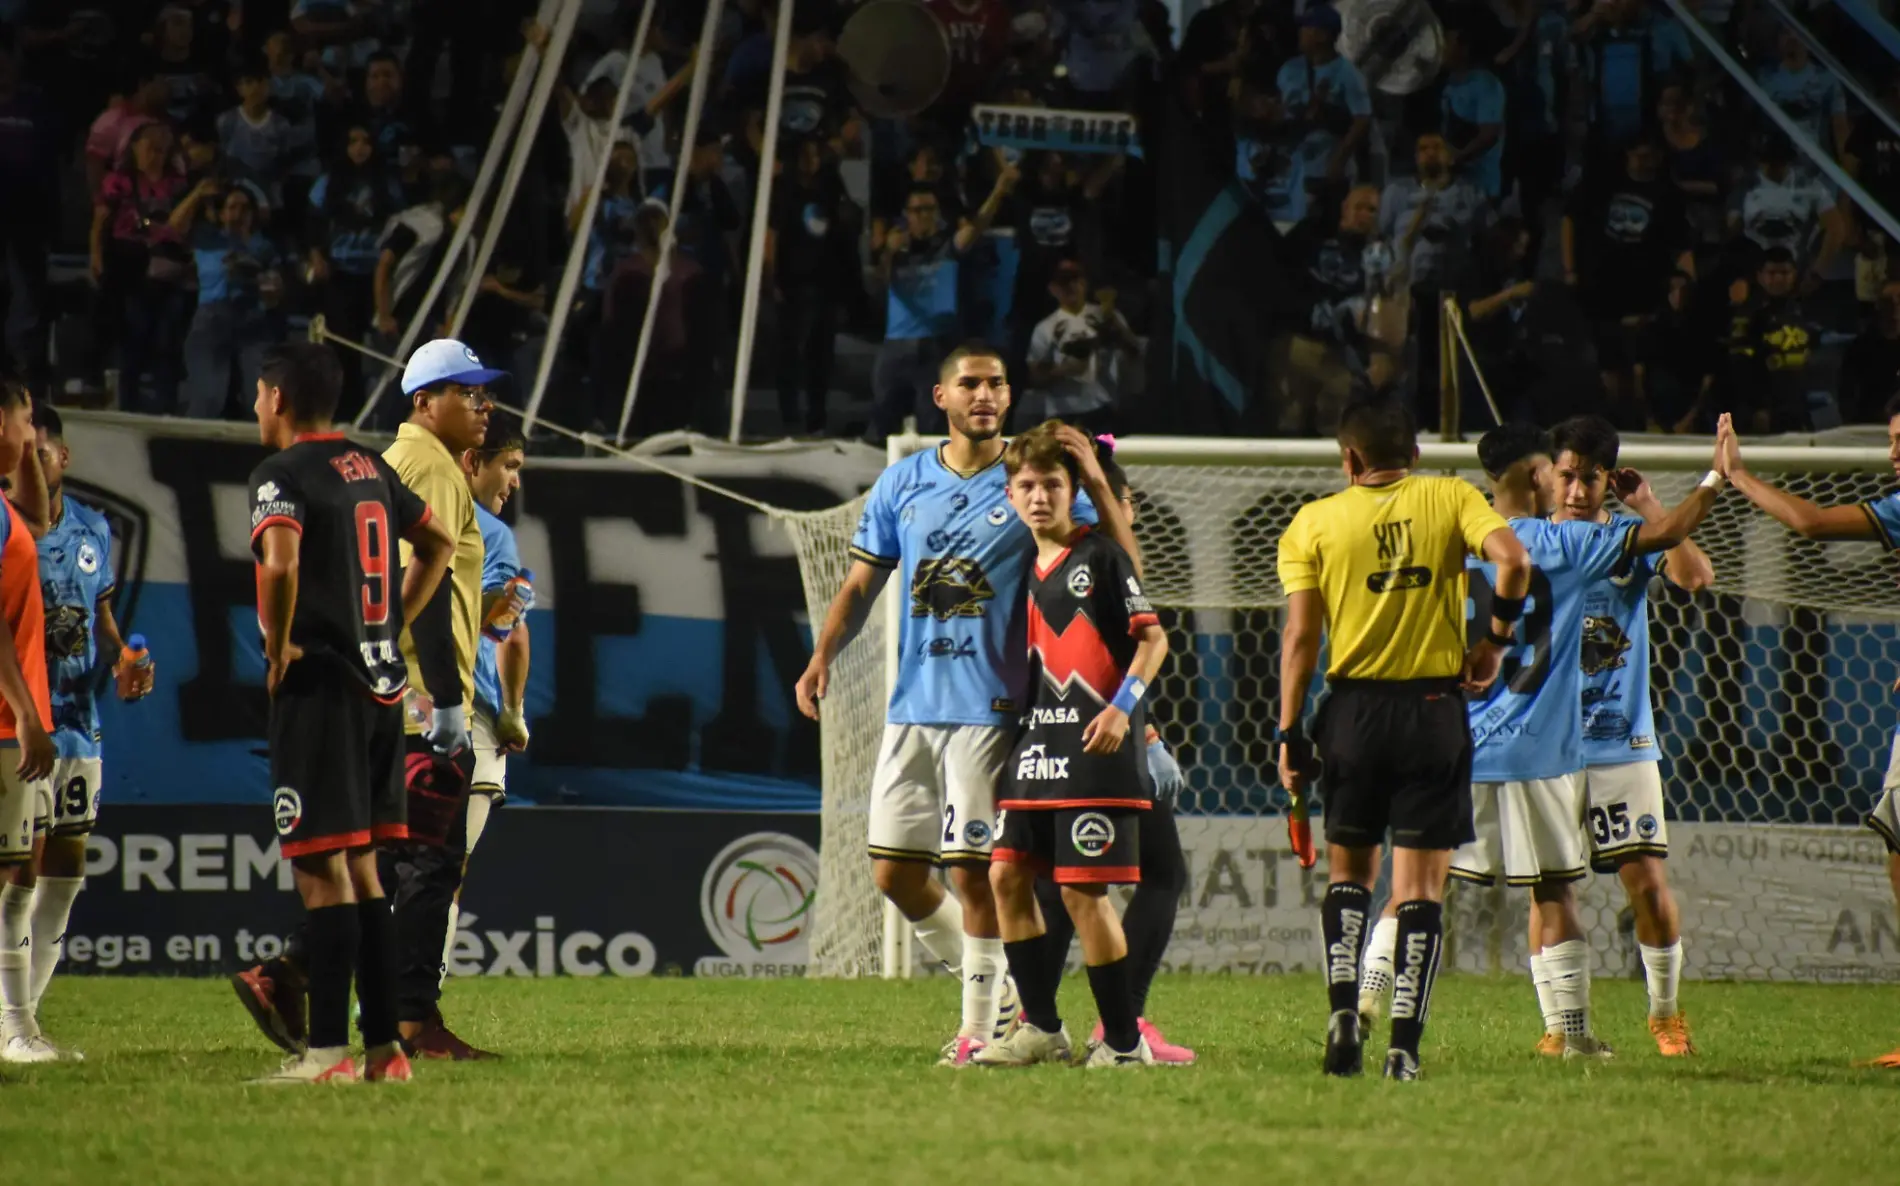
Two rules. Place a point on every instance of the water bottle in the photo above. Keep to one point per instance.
(511, 605)
(134, 662)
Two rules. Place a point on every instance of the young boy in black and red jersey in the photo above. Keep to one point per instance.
(1074, 785)
(331, 601)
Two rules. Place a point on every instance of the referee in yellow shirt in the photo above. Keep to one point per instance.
(448, 415)
(1379, 569)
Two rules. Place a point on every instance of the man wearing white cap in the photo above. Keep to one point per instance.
(448, 415)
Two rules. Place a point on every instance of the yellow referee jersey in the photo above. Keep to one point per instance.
(425, 465)
(1389, 561)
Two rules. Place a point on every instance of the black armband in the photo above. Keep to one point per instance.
(433, 633)
(1507, 609)
(1299, 750)
(1498, 640)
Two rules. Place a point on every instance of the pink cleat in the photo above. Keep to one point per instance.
(958, 1052)
(1164, 1051)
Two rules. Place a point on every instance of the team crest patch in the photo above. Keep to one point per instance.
(88, 559)
(998, 515)
(1081, 581)
(286, 807)
(976, 833)
(1646, 827)
(1092, 833)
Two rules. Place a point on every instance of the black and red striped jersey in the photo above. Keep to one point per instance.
(349, 508)
(1086, 612)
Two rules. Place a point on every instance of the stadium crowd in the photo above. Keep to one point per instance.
(1624, 228)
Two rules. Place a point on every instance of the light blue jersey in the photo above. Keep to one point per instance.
(501, 563)
(1618, 725)
(75, 573)
(1528, 726)
(962, 555)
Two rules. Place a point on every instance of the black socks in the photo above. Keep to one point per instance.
(1345, 922)
(332, 941)
(1415, 968)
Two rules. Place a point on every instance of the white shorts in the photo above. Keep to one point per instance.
(1885, 817)
(1625, 813)
(73, 795)
(491, 765)
(933, 797)
(26, 808)
(1532, 831)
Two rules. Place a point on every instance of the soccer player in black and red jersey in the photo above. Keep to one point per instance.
(1075, 785)
(325, 516)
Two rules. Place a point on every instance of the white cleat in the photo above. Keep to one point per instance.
(1009, 1007)
(1587, 1046)
(312, 1067)
(1101, 1054)
(22, 1049)
(1025, 1046)
(65, 1053)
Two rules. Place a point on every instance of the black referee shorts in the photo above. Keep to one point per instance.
(1396, 755)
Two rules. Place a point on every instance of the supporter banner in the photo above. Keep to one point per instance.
(1757, 902)
(1030, 129)
(669, 631)
(551, 891)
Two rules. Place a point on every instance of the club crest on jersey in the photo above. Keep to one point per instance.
(286, 808)
(999, 515)
(1081, 581)
(1036, 765)
(1092, 833)
(88, 559)
(1646, 827)
(976, 833)
(948, 587)
(1604, 645)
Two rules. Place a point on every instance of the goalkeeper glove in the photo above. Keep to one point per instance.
(1166, 772)
(447, 733)
(511, 730)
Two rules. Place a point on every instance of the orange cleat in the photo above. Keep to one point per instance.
(387, 1064)
(1889, 1061)
(1672, 1036)
(1551, 1045)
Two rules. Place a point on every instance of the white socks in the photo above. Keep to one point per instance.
(1375, 979)
(942, 933)
(1662, 969)
(1568, 965)
(1546, 996)
(52, 906)
(984, 966)
(16, 962)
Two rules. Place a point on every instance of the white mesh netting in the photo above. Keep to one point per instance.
(1772, 710)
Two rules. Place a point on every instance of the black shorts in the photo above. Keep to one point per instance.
(1074, 845)
(1395, 754)
(335, 763)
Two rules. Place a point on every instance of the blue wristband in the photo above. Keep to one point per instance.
(1129, 695)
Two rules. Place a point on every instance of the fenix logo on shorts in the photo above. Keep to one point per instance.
(1036, 764)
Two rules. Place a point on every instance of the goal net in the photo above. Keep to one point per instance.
(1771, 691)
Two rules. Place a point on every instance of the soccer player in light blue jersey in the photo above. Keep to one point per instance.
(941, 521)
(498, 726)
(76, 584)
(1527, 736)
(1877, 520)
(1628, 831)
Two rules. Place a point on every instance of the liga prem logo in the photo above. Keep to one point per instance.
(1092, 833)
(757, 895)
(286, 809)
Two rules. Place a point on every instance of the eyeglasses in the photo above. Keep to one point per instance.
(474, 397)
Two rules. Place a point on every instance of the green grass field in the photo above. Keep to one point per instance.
(795, 1081)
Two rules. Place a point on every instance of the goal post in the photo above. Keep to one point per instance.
(1771, 695)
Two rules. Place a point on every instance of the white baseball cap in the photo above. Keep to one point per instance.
(445, 360)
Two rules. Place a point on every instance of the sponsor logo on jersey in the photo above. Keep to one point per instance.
(998, 515)
(1001, 705)
(1036, 765)
(1604, 645)
(958, 502)
(286, 809)
(66, 633)
(265, 510)
(948, 587)
(88, 559)
(1134, 587)
(948, 648)
(1061, 715)
(1399, 579)
(1092, 833)
(976, 833)
(1641, 742)
(756, 900)
(268, 492)
(950, 541)
(1081, 581)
